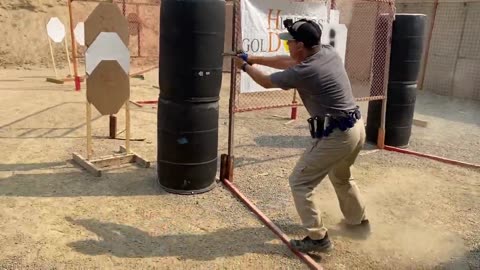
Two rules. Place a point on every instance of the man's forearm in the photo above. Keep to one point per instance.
(278, 62)
(259, 77)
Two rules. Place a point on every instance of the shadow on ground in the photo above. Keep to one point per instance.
(135, 181)
(129, 242)
(23, 131)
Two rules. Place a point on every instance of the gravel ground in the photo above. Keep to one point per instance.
(54, 215)
(424, 214)
(453, 127)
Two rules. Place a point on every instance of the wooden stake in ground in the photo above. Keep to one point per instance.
(127, 127)
(68, 57)
(55, 33)
(53, 56)
(113, 127)
(89, 130)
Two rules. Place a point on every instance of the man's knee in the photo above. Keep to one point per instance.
(293, 180)
(340, 175)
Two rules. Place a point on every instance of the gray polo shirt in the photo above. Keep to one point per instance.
(322, 83)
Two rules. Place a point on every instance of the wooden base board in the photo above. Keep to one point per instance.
(62, 81)
(138, 159)
(95, 166)
(57, 81)
(141, 77)
(136, 104)
(420, 123)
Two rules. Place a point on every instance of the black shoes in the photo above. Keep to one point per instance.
(308, 245)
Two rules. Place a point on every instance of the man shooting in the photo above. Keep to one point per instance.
(317, 72)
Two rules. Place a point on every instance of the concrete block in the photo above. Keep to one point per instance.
(467, 79)
(360, 41)
(439, 75)
(448, 29)
(470, 46)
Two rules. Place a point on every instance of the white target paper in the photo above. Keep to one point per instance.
(107, 46)
(56, 29)
(262, 22)
(336, 35)
(334, 16)
(80, 33)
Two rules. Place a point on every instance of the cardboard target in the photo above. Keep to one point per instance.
(108, 88)
(106, 17)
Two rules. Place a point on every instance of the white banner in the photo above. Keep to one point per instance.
(262, 21)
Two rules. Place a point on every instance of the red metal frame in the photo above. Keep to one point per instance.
(227, 161)
(77, 79)
(433, 157)
(311, 263)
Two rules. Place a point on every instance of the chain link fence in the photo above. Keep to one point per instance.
(446, 121)
(368, 25)
(143, 18)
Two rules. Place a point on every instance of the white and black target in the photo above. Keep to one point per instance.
(336, 36)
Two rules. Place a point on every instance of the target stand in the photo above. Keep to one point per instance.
(97, 166)
(108, 82)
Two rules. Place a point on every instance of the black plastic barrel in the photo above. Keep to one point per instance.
(190, 78)
(407, 48)
(191, 46)
(405, 58)
(188, 142)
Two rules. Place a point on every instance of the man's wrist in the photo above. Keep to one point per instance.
(244, 66)
(251, 59)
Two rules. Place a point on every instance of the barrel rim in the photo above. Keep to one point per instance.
(189, 192)
(411, 14)
(188, 164)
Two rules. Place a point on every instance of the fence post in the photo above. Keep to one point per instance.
(74, 48)
(452, 88)
(427, 51)
(233, 87)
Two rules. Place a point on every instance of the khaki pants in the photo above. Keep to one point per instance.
(332, 155)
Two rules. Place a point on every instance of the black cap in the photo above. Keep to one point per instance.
(306, 31)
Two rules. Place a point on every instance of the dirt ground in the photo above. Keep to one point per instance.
(453, 127)
(54, 215)
(24, 22)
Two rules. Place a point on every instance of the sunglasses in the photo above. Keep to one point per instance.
(286, 46)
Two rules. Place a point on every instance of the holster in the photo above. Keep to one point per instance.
(323, 126)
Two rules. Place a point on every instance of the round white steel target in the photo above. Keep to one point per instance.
(56, 29)
(80, 33)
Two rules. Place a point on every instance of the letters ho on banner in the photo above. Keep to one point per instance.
(262, 22)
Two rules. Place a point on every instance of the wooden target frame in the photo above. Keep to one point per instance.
(103, 79)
